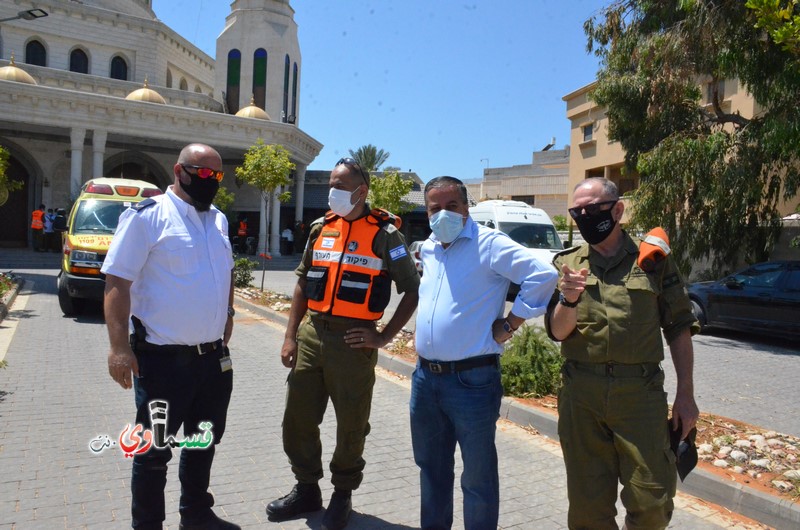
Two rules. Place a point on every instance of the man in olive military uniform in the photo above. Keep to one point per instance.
(344, 282)
(609, 315)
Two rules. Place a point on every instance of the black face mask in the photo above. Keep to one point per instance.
(596, 228)
(202, 191)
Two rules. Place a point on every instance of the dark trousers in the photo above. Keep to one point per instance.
(196, 390)
(52, 240)
(326, 368)
(38, 240)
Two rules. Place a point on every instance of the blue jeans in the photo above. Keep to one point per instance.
(196, 390)
(460, 407)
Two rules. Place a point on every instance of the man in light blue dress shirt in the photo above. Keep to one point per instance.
(460, 329)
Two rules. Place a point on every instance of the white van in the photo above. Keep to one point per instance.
(530, 227)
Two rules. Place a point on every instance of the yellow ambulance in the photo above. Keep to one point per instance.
(91, 226)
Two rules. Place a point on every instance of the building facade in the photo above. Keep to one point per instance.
(594, 155)
(113, 92)
(542, 183)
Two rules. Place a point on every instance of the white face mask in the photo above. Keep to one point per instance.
(339, 201)
(446, 225)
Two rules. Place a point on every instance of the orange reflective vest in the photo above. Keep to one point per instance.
(37, 220)
(242, 228)
(346, 277)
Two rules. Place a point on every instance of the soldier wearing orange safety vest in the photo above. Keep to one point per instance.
(37, 229)
(352, 257)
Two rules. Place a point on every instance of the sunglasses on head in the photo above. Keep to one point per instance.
(350, 162)
(204, 172)
(590, 209)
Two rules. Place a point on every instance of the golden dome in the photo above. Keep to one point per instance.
(12, 73)
(146, 94)
(252, 111)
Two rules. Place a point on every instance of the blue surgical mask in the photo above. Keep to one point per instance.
(446, 225)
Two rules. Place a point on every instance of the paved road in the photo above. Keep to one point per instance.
(56, 397)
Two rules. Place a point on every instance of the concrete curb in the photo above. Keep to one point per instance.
(764, 508)
(8, 298)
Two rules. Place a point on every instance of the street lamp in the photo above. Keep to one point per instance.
(30, 14)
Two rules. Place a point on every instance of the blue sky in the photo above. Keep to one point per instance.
(441, 85)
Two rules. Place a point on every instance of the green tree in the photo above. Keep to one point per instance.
(369, 157)
(223, 200)
(267, 168)
(780, 20)
(711, 178)
(387, 192)
(6, 186)
(561, 222)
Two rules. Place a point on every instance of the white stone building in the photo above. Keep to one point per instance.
(112, 91)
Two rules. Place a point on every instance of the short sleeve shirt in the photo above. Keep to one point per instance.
(180, 263)
(624, 310)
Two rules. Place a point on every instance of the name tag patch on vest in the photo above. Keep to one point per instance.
(327, 242)
(397, 253)
(363, 261)
(333, 257)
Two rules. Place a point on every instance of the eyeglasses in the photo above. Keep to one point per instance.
(590, 209)
(205, 172)
(350, 162)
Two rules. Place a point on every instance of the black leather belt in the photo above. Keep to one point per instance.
(617, 370)
(450, 367)
(197, 349)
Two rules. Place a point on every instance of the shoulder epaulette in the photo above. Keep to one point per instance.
(139, 206)
(385, 217)
(567, 251)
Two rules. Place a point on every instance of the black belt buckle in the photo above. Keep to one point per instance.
(435, 368)
(609, 369)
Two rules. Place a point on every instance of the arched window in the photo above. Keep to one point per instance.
(293, 114)
(169, 78)
(119, 68)
(35, 53)
(234, 75)
(260, 78)
(197, 89)
(78, 61)
(286, 89)
(184, 85)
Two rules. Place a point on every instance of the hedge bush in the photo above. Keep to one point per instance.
(243, 272)
(531, 364)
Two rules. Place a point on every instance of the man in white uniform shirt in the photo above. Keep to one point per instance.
(168, 307)
(460, 329)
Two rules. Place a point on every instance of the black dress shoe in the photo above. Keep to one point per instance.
(338, 513)
(214, 523)
(303, 498)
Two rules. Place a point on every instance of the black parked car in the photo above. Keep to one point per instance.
(763, 298)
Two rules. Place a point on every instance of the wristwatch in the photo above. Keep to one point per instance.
(566, 303)
(231, 311)
(507, 327)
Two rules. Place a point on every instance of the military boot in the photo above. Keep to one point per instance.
(303, 498)
(338, 513)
